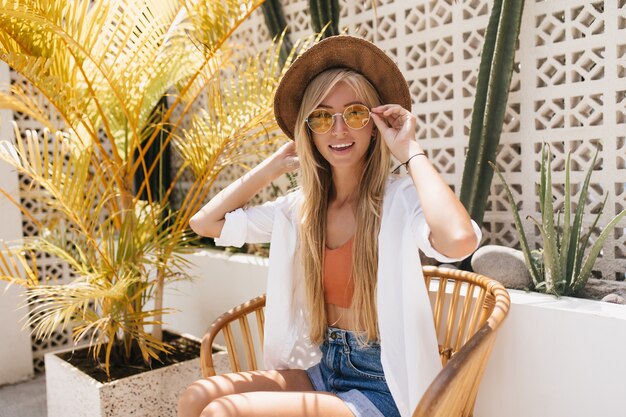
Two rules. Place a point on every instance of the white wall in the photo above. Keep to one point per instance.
(568, 92)
(15, 349)
(221, 282)
(557, 358)
(552, 358)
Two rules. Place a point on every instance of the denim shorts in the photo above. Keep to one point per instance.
(354, 373)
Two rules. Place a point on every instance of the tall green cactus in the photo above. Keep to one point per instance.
(323, 13)
(492, 90)
(275, 21)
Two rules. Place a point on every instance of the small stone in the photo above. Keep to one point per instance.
(503, 264)
(614, 298)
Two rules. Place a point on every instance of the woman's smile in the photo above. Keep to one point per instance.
(341, 148)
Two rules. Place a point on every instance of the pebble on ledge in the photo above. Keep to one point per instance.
(503, 264)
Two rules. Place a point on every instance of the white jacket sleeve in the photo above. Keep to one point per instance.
(419, 227)
(251, 224)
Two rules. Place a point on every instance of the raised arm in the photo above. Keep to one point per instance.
(209, 220)
(451, 230)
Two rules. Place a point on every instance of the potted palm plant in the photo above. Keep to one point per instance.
(104, 66)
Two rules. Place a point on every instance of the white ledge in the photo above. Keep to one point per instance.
(574, 305)
(243, 258)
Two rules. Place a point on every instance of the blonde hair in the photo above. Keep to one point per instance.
(316, 183)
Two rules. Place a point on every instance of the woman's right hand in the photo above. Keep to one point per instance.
(286, 157)
(209, 221)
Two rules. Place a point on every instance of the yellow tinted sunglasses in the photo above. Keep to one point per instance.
(321, 121)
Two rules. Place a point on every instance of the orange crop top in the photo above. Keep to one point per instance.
(338, 287)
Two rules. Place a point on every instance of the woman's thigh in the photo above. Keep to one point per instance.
(278, 404)
(204, 391)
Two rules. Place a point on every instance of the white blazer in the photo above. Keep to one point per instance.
(409, 351)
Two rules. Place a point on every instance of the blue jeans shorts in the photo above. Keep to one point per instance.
(354, 373)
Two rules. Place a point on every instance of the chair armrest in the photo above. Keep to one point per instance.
(206, 352)
(453, 391)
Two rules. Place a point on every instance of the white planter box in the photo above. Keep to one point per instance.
(556, 358)
(71, 393)
(552, 358)
(221, 281)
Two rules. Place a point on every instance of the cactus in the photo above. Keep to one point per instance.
(325, 16)
(492, 90)
(275, 21)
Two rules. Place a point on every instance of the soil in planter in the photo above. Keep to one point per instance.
(184, 349)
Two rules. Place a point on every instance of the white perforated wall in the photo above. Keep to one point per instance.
(568, 89)
(49, 268)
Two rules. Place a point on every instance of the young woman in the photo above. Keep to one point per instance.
(349, 330)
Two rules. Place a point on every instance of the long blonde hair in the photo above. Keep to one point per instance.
(316, 183)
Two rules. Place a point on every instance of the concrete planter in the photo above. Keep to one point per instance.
(70, 392)
(556, 357)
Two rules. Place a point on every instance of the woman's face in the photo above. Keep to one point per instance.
(342, 146)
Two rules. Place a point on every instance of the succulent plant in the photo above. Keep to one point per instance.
(560, 266)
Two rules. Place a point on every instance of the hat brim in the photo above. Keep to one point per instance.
(341, 51)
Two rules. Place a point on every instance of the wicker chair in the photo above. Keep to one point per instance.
(468, 308)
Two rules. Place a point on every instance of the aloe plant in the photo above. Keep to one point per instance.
(560, 266)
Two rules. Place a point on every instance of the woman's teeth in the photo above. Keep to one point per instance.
(341, 146)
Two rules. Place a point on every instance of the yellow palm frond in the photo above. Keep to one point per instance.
(207, 25)
(26, 100)
(106, 52)
(56, 306)
(239, 104)
(61, 166)
(238, 123)
(18, 266)
(214, 21)
(145, 42)
(104, 65)
(46, 31)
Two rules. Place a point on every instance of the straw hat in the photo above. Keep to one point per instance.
(341, 51)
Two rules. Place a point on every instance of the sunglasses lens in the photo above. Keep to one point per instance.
(356, 116)
(320, 121)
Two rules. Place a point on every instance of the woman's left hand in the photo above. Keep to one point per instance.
(397, 126)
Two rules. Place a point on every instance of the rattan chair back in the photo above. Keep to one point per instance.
(467, 309)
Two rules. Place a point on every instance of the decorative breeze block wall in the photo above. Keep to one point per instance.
(568, 90)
